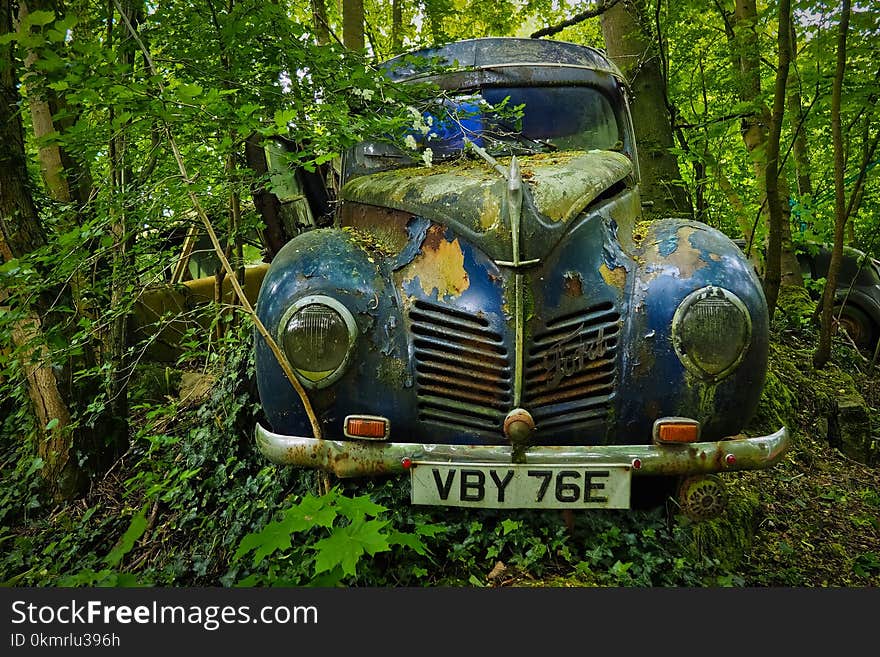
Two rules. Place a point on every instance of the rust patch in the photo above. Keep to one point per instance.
(433, 238)
(573, 284)
(614, 277)
(386, 226)
(440, 266)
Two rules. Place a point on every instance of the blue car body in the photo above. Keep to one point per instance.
(513, 308)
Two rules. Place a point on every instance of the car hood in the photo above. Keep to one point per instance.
(471, 197)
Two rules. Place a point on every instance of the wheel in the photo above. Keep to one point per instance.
(857, 325)
(702, 497)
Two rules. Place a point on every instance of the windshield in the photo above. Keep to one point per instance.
(512, 120)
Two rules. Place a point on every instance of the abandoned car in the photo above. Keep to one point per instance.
(857, 296)
(501, 326)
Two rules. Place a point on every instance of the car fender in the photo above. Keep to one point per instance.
(676, 258)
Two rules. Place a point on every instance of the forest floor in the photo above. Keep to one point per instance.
(816, 524)
(818, 519)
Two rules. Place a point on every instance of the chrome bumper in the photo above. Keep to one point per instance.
(355, 458)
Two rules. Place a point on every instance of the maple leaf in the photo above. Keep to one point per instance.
(311, 512)
(274, 536)
(346, 545)
(356, 508)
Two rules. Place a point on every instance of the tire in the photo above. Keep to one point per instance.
(858, 325)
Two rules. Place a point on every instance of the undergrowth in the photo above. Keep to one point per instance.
(193, 503)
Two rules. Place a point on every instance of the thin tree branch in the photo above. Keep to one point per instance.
(718, 119)
(598, 10)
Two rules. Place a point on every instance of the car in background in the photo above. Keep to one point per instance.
(857, 298)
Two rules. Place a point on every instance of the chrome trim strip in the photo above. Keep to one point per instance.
(519, 345)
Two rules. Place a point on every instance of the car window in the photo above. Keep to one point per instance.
(532, 118)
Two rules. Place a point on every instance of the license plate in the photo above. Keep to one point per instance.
(521, 486)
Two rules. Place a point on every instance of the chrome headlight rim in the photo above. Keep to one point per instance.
(677, 329)
(351, 327)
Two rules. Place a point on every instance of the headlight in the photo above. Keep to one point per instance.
(711, 331)
(317, 334)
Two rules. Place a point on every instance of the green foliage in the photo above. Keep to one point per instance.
(867, 563)
(352, 530)
(108, 576)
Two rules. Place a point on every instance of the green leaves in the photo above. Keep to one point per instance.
(346, 545)
(38, 18)
(109, 576)
(129, 538)
(283, 118)
(189, 91)
(274, 536)
(311, 512)
(348, 527)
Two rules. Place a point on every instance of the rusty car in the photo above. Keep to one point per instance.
(499, 325)
(857, 297)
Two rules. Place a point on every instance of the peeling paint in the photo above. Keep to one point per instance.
(675, 254)
(439, 268)
(417, 228)
(614, 277)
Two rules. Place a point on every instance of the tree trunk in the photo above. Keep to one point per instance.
(20, 234)
(319, 19)
(772, 273)
(754, 133)
(800, 149)
(823, 350)
(743, 217)
(396, 26)
(115, 340)
(353, 24)
(57, 168)
(630, 45)
(38, 96)
(266, 203)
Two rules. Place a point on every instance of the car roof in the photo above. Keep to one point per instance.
(503, 51)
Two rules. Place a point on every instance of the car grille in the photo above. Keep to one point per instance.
(463, 377)
(570, 374)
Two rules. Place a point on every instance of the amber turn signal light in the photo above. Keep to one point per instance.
(369, 427)
(676, 430)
